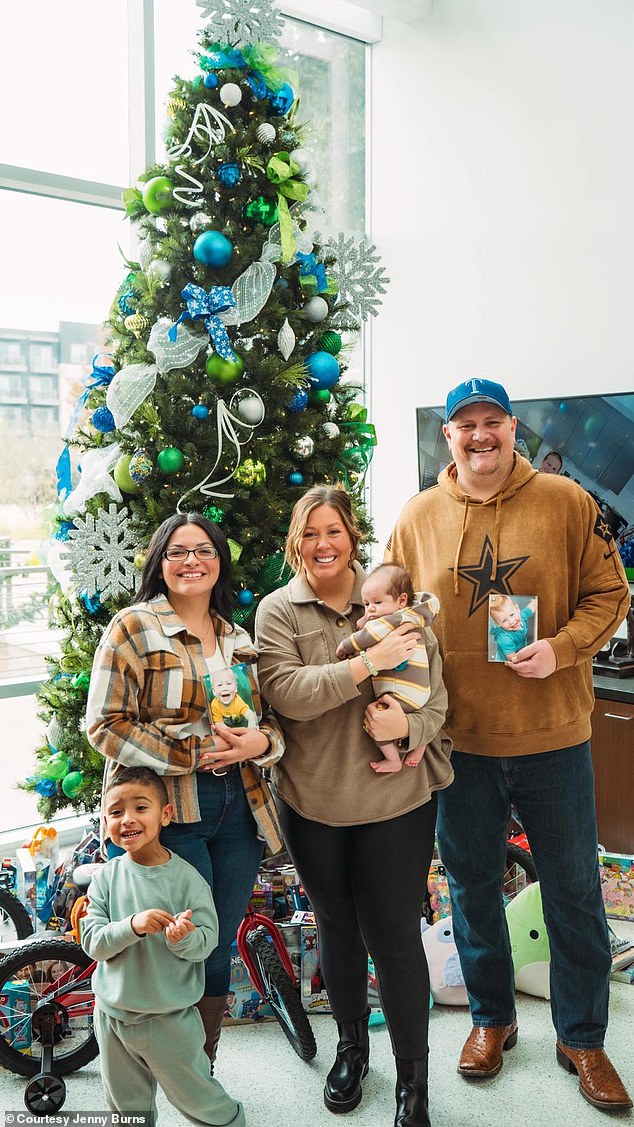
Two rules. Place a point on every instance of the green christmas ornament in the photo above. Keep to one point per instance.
(319, 396)
(139, 560)
(263, 210)
(157, 194)
(330, 341)
(81, 681)
(170, 459)
(224, 371)
(235, 550)
(250, 473)
(56, 766)
(72, 784)
(122, 476)
(214, 513)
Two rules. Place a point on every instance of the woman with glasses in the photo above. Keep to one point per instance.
(147, 706)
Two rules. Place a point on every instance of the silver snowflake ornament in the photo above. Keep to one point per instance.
(359, 276)
(241, 21)
(101, 553)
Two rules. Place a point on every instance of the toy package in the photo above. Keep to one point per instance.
(243, 1002)
(617, 884)
(438, 892)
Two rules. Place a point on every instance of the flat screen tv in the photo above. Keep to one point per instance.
(594, 436)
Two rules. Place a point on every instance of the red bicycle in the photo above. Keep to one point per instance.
(46, 1001)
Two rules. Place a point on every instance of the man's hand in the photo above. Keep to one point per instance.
(151, 921)
(536, 660)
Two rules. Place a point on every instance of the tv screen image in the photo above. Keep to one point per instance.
(593, 436)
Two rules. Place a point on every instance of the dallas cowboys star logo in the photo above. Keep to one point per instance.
(480, 576)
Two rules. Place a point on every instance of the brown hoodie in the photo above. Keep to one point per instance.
(540, 535)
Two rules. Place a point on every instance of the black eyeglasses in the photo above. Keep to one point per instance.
(205, 552)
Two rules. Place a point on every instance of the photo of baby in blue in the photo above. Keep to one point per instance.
(512, 624)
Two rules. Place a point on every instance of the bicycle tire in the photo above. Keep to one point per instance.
(15, 921)
(75, 1044)
(281, 994)
(520, 870)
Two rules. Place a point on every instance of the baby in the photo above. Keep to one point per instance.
(510, 629)
(389, 600)
(228, 707)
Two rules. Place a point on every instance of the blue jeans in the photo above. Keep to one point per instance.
(226, 851)
(554, 797)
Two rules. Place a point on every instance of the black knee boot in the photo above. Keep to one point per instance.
(343, 1083)
(411, 1093)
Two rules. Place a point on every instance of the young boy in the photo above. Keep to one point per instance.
(510, 625)
(389, 599)
(150, 925)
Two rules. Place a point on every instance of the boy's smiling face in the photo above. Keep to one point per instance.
(134, 816)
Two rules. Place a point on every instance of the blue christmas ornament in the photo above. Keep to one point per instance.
(127, 302)
(228, 173)
(103, 420)
(245, 597)
(257, 84)
(323, 369)
(212, 248)
(281, 100)
(295, 478)
(64, 529)
(210, 81)
(199, 411)
(92, 603)
(299, 402)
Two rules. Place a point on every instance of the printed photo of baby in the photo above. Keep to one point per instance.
(512, 624)
(230, 699)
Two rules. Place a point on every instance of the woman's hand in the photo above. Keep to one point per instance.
(385, 720)
(399, 645)
(241, 743)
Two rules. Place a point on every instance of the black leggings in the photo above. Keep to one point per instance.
(366, 886)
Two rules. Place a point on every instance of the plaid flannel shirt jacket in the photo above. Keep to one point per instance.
(147, 689)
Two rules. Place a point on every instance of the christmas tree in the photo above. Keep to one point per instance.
(221, 389)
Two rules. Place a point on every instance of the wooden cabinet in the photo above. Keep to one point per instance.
(613, 758)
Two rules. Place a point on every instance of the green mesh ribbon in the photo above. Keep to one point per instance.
(354, 460)
(282, 171)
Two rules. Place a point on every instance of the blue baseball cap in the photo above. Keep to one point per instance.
(477, 391)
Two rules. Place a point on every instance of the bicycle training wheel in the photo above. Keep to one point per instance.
(15, 921)
(282, 996)
(520, 870)
(56, 971)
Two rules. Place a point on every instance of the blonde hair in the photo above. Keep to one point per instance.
(336, 498)
(498, 602)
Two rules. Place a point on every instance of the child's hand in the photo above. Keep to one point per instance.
(150, 921)
(181, 926)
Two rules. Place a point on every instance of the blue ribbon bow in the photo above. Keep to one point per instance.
(207, 306)
(311, 268)
(101, 376)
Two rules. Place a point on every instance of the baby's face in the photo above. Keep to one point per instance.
(508, 617)
(224, 685)
(377, 601)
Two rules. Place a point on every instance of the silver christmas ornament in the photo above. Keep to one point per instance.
(358, 273)
(266, 133)
(286, 339)
(199, 221)
(251, 410)
(160, 269)
(230, 94)
(301, 158)
(303, 446)
(331, 430)
(316, 309)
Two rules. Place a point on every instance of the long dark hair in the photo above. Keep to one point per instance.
(152, 582)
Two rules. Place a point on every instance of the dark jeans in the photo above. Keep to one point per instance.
(554, 797)
(225, 850)
(366, 886)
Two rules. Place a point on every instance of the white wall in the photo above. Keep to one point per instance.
(502, 177)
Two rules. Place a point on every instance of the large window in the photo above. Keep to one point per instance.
(84, 98)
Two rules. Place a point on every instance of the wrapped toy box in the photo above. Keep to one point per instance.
(617, 884)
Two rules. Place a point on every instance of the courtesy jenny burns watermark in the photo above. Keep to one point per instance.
(77, 1119)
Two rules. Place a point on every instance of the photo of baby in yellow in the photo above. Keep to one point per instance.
(229, 696)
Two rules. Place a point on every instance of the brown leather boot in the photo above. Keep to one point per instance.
(481, 1055)
(212, 1012)
(599, 1082)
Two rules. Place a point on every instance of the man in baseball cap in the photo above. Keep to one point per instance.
(477, 391)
